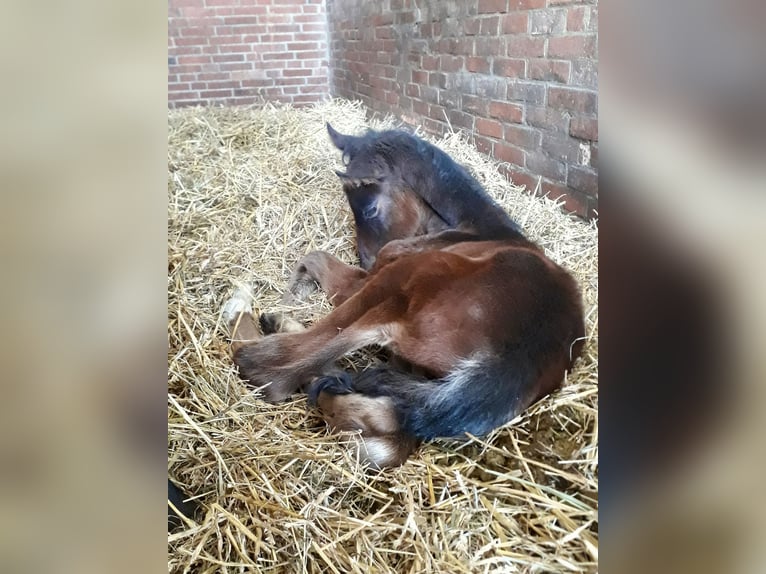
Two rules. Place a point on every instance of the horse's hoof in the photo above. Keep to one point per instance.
(240, 302)
(337, 384)
(278, 323)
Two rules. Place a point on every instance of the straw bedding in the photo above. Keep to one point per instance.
(251, 191)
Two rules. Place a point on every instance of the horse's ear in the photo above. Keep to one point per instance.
(357, 181)
(339, 140)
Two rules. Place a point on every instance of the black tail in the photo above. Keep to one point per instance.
(477, 397)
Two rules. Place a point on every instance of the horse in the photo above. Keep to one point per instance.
(481, 322)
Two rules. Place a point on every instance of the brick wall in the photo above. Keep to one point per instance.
(519, 76)
(246, 51)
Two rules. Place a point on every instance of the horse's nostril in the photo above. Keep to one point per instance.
(302, 268)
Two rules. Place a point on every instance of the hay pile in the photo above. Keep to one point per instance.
(251, 191)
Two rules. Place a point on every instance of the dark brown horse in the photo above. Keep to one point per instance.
(448, 284)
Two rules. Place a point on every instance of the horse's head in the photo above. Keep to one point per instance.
(385, 207)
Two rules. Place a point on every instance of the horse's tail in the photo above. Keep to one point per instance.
(395, 410)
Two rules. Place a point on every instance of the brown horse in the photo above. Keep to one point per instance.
(448, 284)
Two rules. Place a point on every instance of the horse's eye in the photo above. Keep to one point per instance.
(371, 211)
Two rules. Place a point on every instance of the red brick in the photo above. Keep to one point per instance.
(212, 76)
(228, 39)
(477, 64)
(572, 47)
(292, 81)
(540, 164)
(177, 89)
(489, 25)
(434, 127)
(238, 20)
(451, 63)
(522, 137)
(306, 37)
(460, 119)
(429, 94)
(235, 66)
(309, 56)
(276, 9)
(491, 6)
(297, 72)
(487, 46)
(471, 26)
(576, 18)
(553, 191)
(420, 77)
(475, 105)
(437, 112)
(221, 85)
(185, 50)
(257, 83)
(192, 41)
(525, 46)
(520, 178)
(420, 107)
(549, 70)
(489, 128)
(277, 56)
(194, 60)
(509, 68)
(508, 154)
(505, 111)
(581, 205)
(298, 46)
(382, 20)
(235, 48)
(525, 4)
(229, 58)
(583, 179)
(216, 94)
(592, 20)
(548, 21)
(574, 100)
(561, 147)
(483, 144)
(437, 79)
(584, 128)
(515, 23)
(547, 119)
(304, 18)
(574, 202)
(312, 27)
(528, 92)
(430, 63)
(188, 69)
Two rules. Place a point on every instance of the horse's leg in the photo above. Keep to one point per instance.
(237, 312)
(400, 247)
(283, 362)
(339, 280)
(381, 443)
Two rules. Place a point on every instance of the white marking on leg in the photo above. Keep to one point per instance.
(240, 302)
(378, 451)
